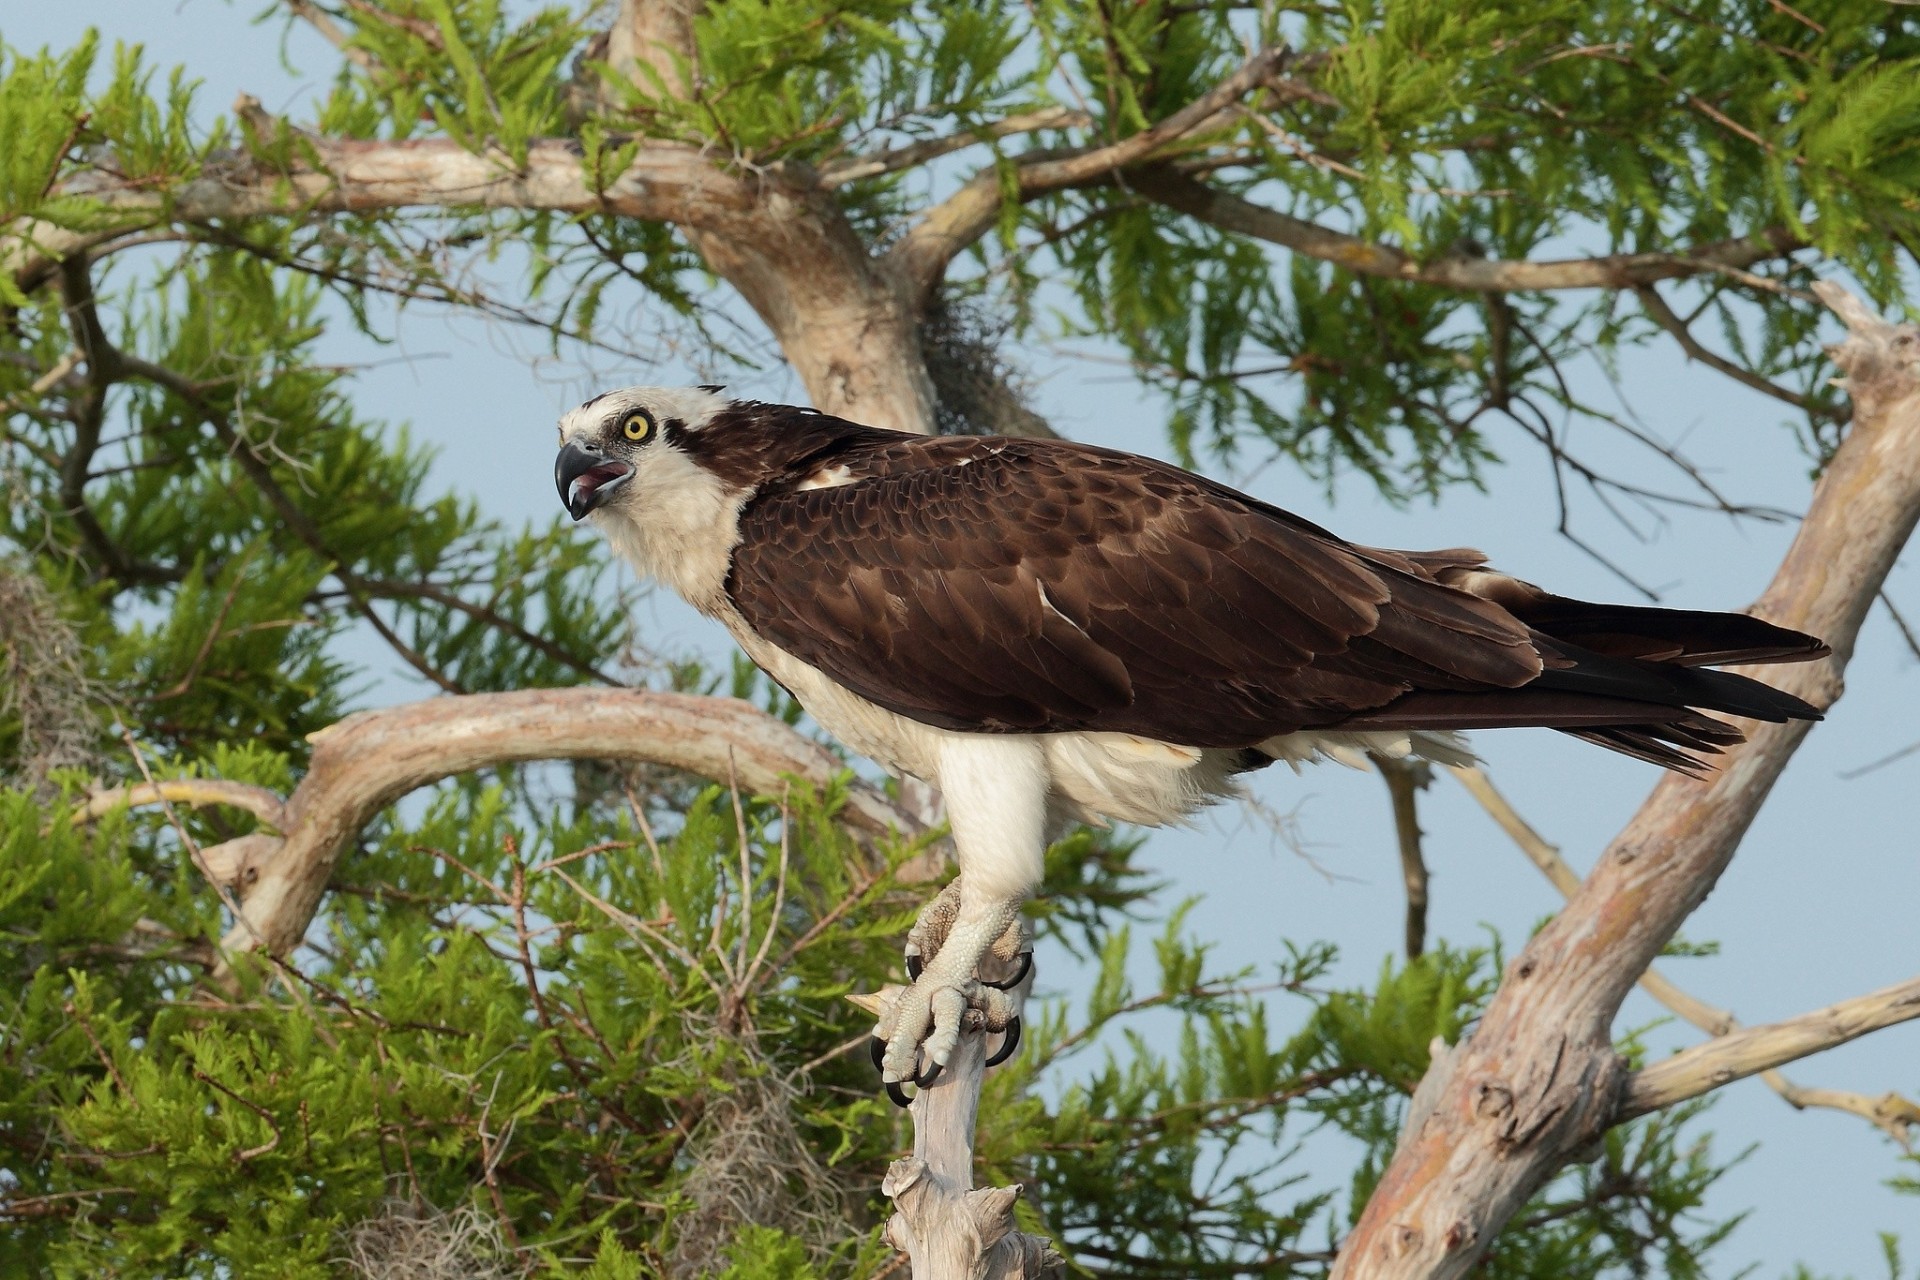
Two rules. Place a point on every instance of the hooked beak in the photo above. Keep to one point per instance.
(587, 479)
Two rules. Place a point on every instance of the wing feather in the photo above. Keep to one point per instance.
(999, 585)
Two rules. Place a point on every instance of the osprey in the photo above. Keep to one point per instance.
(1051, 632)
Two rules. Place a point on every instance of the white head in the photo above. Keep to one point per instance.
(625, 460)
(611, 441)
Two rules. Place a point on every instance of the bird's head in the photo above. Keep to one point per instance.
(618, 448)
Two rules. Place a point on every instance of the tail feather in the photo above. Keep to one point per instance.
(1633, 680)
(1668, 684)
(1681, 637)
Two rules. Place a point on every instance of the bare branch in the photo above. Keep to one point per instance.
(367, 761)
(1899, 1116)
(1895, 1115)
(1663, 315)
(948, 1228)
(945, 230)
(1751, 1050)
(894, 159)
(1539, 1079)
(1230, 212)
(1405, 779)
(259, 801)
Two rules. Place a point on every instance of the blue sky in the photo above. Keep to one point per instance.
(1818, 906)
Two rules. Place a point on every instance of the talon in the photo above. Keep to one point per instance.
(1008, 1046)
(1026, 967)
(915, 967)
(928, 1077)
(899, 1095)
(877, 1050)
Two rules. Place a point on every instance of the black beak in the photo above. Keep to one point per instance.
(586, 479)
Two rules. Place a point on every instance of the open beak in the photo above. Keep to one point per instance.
(587, 479)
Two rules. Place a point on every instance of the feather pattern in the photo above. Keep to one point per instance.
(997, 585)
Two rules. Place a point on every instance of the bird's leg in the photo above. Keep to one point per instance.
(1006, 964)
(995, 789)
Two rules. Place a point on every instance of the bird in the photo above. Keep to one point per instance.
(1050, 632)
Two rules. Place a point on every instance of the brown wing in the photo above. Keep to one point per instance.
(1040, 586)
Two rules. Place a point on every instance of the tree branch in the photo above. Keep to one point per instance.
(1405, 779)
(369, 760)
(296, 519)
(259, 801)
(894, 159)
(1893, 1114)
(1539, 1080)
(1229, 212)
(1662, 315)
(104, 368)
(651, 43)
(332, 32)
(945, 230)
(947, 1227)
(667, 182)
(1751, 1050)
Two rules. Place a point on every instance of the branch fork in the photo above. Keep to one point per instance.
(1455, 1180)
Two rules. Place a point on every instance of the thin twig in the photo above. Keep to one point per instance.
(1405, 779)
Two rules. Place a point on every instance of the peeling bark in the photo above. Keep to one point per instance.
(1538, 1080)
(1893, 1114)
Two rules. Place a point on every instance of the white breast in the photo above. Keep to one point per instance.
(682, 529)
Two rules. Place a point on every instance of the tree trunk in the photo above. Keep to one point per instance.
(1538, 1080)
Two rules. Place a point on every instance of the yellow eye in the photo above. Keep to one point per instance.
(638, 427)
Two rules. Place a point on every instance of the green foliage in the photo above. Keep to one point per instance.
(1513, 131)
(600, 1014)
(242, 518)
(600, 1033)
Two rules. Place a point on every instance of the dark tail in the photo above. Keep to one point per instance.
(1634, 680)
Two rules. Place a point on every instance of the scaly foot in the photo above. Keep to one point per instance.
(948, 950)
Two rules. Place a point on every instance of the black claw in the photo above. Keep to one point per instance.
(899, 1095)
(1008, 1046)
(928, 1076)
(915, 967)
(877, 1050)
(1026, 967)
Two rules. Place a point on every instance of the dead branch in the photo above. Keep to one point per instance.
(1539, 1079)
(948, 1228)
(1405, 779)
(1229, 212)
(367, 761)
(1893, 1114)
(1751, 1050)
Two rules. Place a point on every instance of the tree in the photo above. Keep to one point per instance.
(613, 1037)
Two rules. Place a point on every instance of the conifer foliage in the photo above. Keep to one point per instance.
(591, 1022)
